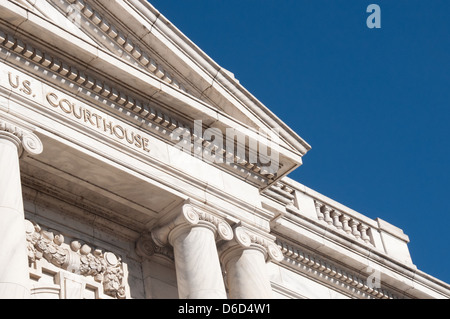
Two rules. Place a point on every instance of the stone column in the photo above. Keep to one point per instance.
(14, 273)
(158, 269)
(193, 237)
(244, 260)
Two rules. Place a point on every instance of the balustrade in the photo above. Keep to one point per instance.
(343, 222)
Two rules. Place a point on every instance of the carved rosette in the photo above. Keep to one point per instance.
(79, 258)
(248, 239)
(190, 217)
(24, 140)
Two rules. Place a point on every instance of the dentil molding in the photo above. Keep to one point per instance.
(157, 120)
(297, 259)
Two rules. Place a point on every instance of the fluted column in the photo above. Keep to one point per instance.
(244, 260)
(193, 237)
(14, 273)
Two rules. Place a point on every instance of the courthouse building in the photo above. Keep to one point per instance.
(134, 166)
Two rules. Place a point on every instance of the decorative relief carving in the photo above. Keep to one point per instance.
(24, 140)
(79, 258)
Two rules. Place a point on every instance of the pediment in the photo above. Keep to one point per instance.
(128, 50)
(67, 19)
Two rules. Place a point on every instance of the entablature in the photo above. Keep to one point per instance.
(95, 74)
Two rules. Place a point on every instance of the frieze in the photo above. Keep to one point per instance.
(75, 110)
(98, 120)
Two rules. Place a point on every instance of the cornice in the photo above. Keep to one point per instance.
(334, 275)
(405, 279)
(218, 74)
(152, 118)
(105, 32)
(280, 192)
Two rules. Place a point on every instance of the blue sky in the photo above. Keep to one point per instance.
(374, 104)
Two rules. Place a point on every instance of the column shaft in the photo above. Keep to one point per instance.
(244, 259)
(14, 273)
(199, 275)
(246, 274)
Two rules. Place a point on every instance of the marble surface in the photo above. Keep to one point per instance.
(14, 278)
(94, 186)
(199, 275)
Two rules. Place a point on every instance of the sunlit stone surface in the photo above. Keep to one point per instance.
(132, 166)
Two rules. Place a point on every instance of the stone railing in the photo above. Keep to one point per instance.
(298, 200)
(343, 222)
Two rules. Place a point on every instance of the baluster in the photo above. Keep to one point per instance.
(363, 229)
(345, 219)
(337, 223)
(326, 213)
(354, 226)
(318, 210)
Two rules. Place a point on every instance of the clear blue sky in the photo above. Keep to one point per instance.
(374, 104)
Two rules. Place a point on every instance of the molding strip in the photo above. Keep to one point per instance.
(143, 109)
(297, 258)
(112, 32)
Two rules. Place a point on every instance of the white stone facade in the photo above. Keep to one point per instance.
(124, 175)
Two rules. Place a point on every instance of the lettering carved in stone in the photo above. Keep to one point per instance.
(105, 267)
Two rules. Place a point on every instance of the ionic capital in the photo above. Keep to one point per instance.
(191, 217)
(23, 139)
(244, 238)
